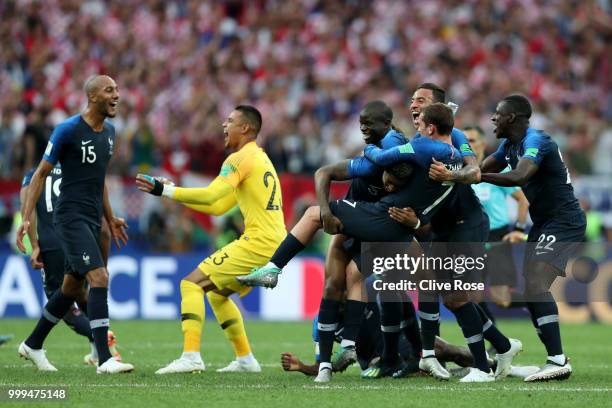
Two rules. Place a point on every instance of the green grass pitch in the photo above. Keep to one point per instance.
(152, 344)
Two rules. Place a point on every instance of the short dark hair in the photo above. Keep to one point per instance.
(251, 115)
(475, 128)
(401, 171)
(380, 110)
(519, 105)
(439, 115)
(439, 94)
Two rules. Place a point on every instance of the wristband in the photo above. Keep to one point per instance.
(518, 226)
(158, 187)
(418, 224)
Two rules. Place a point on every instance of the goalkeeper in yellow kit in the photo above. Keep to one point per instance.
(248, 179)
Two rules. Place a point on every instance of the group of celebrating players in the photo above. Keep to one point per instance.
(400, 189)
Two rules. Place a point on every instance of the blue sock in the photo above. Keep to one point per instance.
(471, 325)
(98, 320)
(429, 315)
(53, 312)
(546, 315)
(327, 325)
(390, 325)
(286, 251)
(492, 333)
(78, 322)
(353, 317)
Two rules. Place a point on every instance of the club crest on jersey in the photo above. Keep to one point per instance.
(85, 258)
(110, 145)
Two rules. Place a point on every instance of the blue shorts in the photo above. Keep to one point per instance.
(369, 222)
(81, 245)
(555, 241)
(53, 272)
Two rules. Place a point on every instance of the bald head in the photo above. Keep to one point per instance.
(102, 95)
(378, 110)
(96, 82)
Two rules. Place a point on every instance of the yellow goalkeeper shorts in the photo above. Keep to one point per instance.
(223, 266)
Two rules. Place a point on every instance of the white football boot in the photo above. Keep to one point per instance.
(324, 376)
(522, 371)
(475, 376)
(38, 357)
(240, 366)
(183, 365)
(112, 366)
(432, 366)
(551, 371)
(504, 360)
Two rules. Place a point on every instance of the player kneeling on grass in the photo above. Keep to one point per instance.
(248, 179)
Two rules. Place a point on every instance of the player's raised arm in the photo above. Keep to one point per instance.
(34, 190)
(216, 190)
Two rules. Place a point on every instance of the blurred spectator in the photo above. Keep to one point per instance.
(308, 65)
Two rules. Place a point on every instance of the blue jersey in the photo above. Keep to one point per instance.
(47, 238)
(422, 194)
(463, 205)
(84, 155)
(367, 177)
(549, 191)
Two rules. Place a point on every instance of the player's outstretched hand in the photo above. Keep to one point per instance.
(439, 172)
(331, 224)
(515, 237)
(291, 363)
(35, 260)
(21, 232)
(118, 228)
(145, 182)
(405, 216)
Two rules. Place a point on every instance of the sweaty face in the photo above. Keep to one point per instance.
(501, 119)
(106, 97)
(233, 127)
(373, 127)
(477, 142)
(420, 99)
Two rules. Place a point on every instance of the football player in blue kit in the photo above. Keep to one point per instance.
(559, 223)
(83, 145)
(48, 256)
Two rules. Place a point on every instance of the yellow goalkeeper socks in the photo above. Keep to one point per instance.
(229, 317)
(192, 315)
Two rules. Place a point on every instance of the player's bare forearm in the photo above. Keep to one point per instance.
(323, 178)
(517, 177)
(469, 173)
(35, 188)
(31, 231)
(491, 165)
(108, 210)
(523, 206)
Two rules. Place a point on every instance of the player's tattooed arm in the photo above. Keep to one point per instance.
(34, 189)
(323, 178)
(525, 169)
(468, 174)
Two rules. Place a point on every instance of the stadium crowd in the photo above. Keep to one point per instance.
(308, 65)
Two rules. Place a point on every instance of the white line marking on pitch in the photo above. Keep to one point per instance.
(330, 387)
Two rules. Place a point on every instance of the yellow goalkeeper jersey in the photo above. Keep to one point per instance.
(258, 194)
